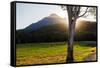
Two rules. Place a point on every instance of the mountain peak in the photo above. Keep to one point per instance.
(50, 20)
(54, 15)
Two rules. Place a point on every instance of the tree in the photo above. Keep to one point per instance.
(73, 15)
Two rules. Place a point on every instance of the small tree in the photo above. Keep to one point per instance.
(73, 15)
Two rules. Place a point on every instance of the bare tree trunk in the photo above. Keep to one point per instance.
(73, 14)
(70, 35)
(71, 40)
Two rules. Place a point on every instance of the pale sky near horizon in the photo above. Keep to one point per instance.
(27, 14)
(31, 13)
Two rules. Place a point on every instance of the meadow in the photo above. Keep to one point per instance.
(46, 53)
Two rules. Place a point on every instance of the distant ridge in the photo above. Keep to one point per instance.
(50, 20)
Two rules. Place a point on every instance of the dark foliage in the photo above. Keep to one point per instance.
(56, 33)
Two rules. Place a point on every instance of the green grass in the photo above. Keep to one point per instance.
(45, 53)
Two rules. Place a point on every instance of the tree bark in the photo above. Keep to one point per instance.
(71, 34)
(73, 14)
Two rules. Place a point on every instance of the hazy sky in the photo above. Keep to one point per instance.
(27, 14)
(31, 13)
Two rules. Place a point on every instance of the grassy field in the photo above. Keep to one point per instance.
(45, 53)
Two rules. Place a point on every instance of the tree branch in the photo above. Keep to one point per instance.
(84, 13)
(63, 7)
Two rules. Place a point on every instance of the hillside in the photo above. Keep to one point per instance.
(54, 29)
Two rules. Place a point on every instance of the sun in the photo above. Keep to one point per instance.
(61, 13)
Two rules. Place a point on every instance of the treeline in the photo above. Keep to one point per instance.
(56, 33)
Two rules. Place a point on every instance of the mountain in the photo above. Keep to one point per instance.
(50, 20)
(54, 29)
